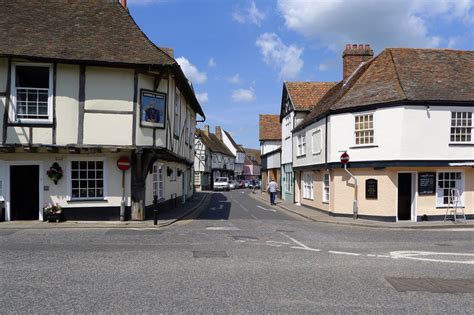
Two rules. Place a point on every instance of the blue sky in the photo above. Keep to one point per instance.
(238, 53)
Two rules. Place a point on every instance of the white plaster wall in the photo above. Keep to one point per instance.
(299, 116)
(171, 186)
(106, 129)
(228, 144)
(269, 146)
(273, 160)
(109, 89)
(310, 157)
(401, 133)
(286, 145)
(67, 104)
(42, 135)
(18, 135)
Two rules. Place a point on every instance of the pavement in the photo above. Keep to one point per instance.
(165, 218)
(324, 217)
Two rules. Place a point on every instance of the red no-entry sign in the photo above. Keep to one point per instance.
(124, 163)
(344, 158)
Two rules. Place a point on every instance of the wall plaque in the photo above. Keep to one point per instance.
(427, 183)
(371, 189)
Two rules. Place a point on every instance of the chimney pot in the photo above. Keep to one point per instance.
(367, 46)
(361, 46)
(348, 46)
(354, 46)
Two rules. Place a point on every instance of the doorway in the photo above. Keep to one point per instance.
(405, 196)
(24, 192)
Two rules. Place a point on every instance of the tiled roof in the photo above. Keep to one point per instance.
(403, 74)
(269, 127)
(304, 95)
(213, 143)
(236, 146)
(255, 153)
(97, 32)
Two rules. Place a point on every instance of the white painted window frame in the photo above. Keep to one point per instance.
(374, 128)
(308, 185)
(13, 95)
(301, 144)
(326, 187)
(156, 180)
(69, 178)
(471, 127)
(462, 190)
(317, 133)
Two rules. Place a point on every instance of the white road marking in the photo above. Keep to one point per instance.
(343, 253)
(301, 245)
(276, 242)
(222, 228)
(306, 248)
(272, 210)
(245, 209)
(254, 217)
(383, 256)
(371, 255)
(419, 255)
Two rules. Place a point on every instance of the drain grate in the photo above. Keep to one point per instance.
(433, 285)
(210, 254)
(244, 238)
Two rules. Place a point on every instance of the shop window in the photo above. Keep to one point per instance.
(32, 93)
(364, 129)
(326, 187)
(158, 182)
(449, 184)
(461, 127)
(87, 179)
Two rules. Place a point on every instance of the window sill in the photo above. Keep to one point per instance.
(31, 123)
(461, 144)
(446, 207)
(312, 199)
(317, 153)
(326, 202)
(364, 146)
(301, 155)
(88, 200)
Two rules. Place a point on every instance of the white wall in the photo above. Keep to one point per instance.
(269, 146)
(286, 147)
(401, 133)
(312, 155)
(273, 160)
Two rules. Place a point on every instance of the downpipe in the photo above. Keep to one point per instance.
(355, 207)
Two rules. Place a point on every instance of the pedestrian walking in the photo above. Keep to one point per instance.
(272, 188)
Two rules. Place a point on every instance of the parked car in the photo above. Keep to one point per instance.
(233, 184)
(221, 183)
(246, 184)
(242, 184)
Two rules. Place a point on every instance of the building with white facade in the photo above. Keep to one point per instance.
(405, 118)
(236, 150)
(298, 98)
(76, 97)
(270, 149)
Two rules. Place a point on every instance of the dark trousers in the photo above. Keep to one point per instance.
(272, 197)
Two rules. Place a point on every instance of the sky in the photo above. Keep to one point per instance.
(237, 54)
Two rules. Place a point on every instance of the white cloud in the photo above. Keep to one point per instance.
(390, 23)
(212, 63)
(191, 71)
(235, 79)
(250, 15)
(287, 59)
(202, 97)
(243, 95)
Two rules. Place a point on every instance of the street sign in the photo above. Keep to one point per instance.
(124, 163)
(344, 158)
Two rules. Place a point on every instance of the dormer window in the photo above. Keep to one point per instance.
(32, 93)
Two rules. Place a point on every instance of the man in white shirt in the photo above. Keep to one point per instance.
(272, 189)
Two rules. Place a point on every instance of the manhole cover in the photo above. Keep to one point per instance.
(433, 285)
(244, 238)
(133, 232)
(209, 254)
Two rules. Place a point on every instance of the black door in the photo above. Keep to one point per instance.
(24, 192)
(404, 196)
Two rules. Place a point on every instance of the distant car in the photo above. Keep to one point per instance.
(221, 183)
(242, 184)
(247, 183)
(233, 184)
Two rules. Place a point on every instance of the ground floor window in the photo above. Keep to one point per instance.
(308, 185)
(326, 187)
(158, 183)
(87, 179)
(448, 184)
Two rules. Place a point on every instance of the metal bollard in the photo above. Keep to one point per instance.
(155, 210)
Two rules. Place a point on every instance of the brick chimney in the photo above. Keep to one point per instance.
(123, 3)
(219, 133)
(206, 130)
(353, 56)
(169, 51)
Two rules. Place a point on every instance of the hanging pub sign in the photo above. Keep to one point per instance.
(427, 183)
(371, 189)
(152, 109)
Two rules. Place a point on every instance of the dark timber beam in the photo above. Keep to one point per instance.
(82, 99)
(7, 101)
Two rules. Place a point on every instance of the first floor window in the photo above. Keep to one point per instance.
(158, 183)
(461, 127)
(364, 129)
(301, 141)
(288, 181)
(326, 187)
(87, 179)
(450, 184)
(308, 185)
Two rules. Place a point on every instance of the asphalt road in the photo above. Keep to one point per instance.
(238, 255)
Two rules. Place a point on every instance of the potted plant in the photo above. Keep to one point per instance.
(55, 173)
(53, 213)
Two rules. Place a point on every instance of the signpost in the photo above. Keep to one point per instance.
(344, 160)
(124, 165)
